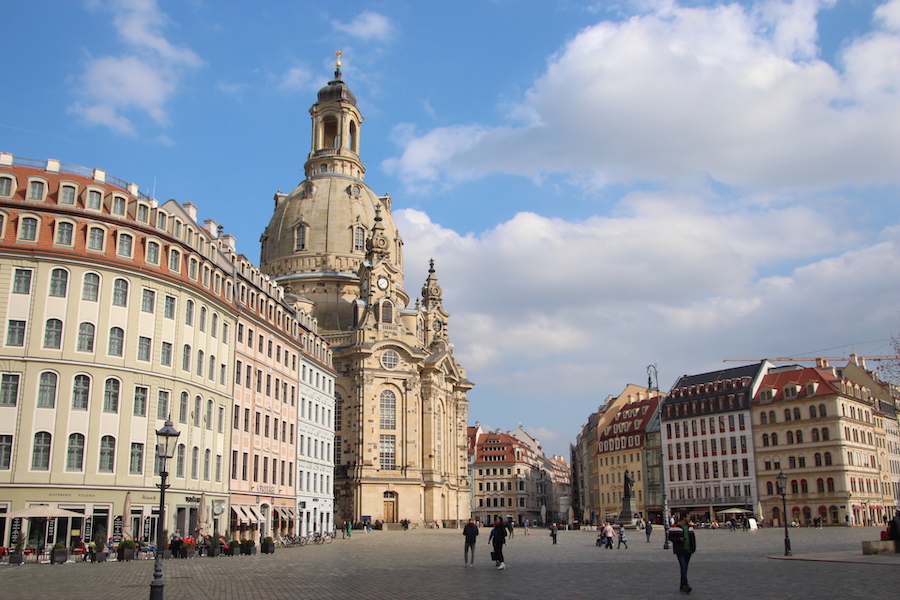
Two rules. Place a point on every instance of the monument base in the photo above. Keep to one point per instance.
(626, 515)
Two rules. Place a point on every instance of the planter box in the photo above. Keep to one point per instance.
(267, 547)
(16, 559)
(233, 551)
(59, 555)
(98, 557)
(248, 551)
(189, 553)
(126, 554)
(213, 552)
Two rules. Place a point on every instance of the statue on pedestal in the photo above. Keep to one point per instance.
(629, 482)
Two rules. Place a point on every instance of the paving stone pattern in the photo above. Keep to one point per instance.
(428, 565)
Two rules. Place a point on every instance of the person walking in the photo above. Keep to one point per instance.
(608, 534)
(498, 538)
(470, 531)
(553, 531)
(648, 529)
(509, 529)
(622, 539)
(684, 544)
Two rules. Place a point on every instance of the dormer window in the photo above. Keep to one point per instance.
(118, 205)
(6, 186)
(790, 391)
(36, 189)
(67, 194)
(94, 199)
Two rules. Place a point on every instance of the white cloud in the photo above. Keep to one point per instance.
(367, 26)
(682, 94)
(116, 89)
(545, 310)
(298, 78)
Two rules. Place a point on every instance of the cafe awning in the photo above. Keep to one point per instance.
(240, 514)
(255, 517)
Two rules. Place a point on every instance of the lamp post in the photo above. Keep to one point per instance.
(665, 520)
(782, 489)
(165, 449)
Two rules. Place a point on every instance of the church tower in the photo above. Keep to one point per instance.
(400, 395)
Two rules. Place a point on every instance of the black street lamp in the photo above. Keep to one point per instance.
(165, 449)
(782, 489)
(665, 520)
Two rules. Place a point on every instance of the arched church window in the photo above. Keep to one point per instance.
(300, 238)
(354, 141)
(359, 239)
(388, 408)
(387, 312)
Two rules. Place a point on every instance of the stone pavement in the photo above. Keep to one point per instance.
(428, 565)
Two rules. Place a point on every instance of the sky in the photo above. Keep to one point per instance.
(603, 185)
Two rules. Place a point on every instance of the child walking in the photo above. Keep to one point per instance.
(622, 539)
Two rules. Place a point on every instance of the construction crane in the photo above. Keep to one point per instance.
(817, 359)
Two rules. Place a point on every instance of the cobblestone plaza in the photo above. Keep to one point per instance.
(827, 563)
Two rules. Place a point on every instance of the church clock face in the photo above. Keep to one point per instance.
(382, 283)
(438, 325)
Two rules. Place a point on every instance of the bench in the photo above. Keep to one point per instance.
(879, 547)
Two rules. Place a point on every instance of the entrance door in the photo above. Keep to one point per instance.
(389, 512)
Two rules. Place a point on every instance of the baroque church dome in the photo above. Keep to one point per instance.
(316, 238)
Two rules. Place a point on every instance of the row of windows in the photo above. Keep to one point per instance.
(286, 470)
(700, 447)
(681, 428)
(264, 426)
(796, 437)
(267, 347)
(85, 342)
(244, 375)
(106, 456)
(503, 502)
(710, 469)
(795, 414)
(708, 492)
(802, 486)
(732, 402)
(314, 482)
(112, 395)
(819, 459)
(91, 288)
(95, 239)
(90, 198)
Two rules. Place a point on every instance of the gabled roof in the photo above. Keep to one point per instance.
(827, 383)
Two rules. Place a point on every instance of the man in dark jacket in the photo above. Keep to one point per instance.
(684, 544)
(470, 531)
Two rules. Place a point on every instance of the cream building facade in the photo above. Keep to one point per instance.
(621, 438)
(401, 406)
(819, 429)
(117, 315)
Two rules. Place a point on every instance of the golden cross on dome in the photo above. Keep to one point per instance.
(338, 61)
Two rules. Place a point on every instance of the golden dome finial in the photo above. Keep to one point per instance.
(338, 61)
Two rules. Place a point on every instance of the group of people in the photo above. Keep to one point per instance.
(681, 536)
(608, 532)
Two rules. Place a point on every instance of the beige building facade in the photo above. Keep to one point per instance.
(116, 315)
(819, 429)
(400, 395)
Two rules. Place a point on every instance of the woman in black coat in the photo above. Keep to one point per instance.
(684, 544)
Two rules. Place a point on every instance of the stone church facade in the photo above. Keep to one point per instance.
(400, 396)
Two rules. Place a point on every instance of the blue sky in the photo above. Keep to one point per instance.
(603, 185)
